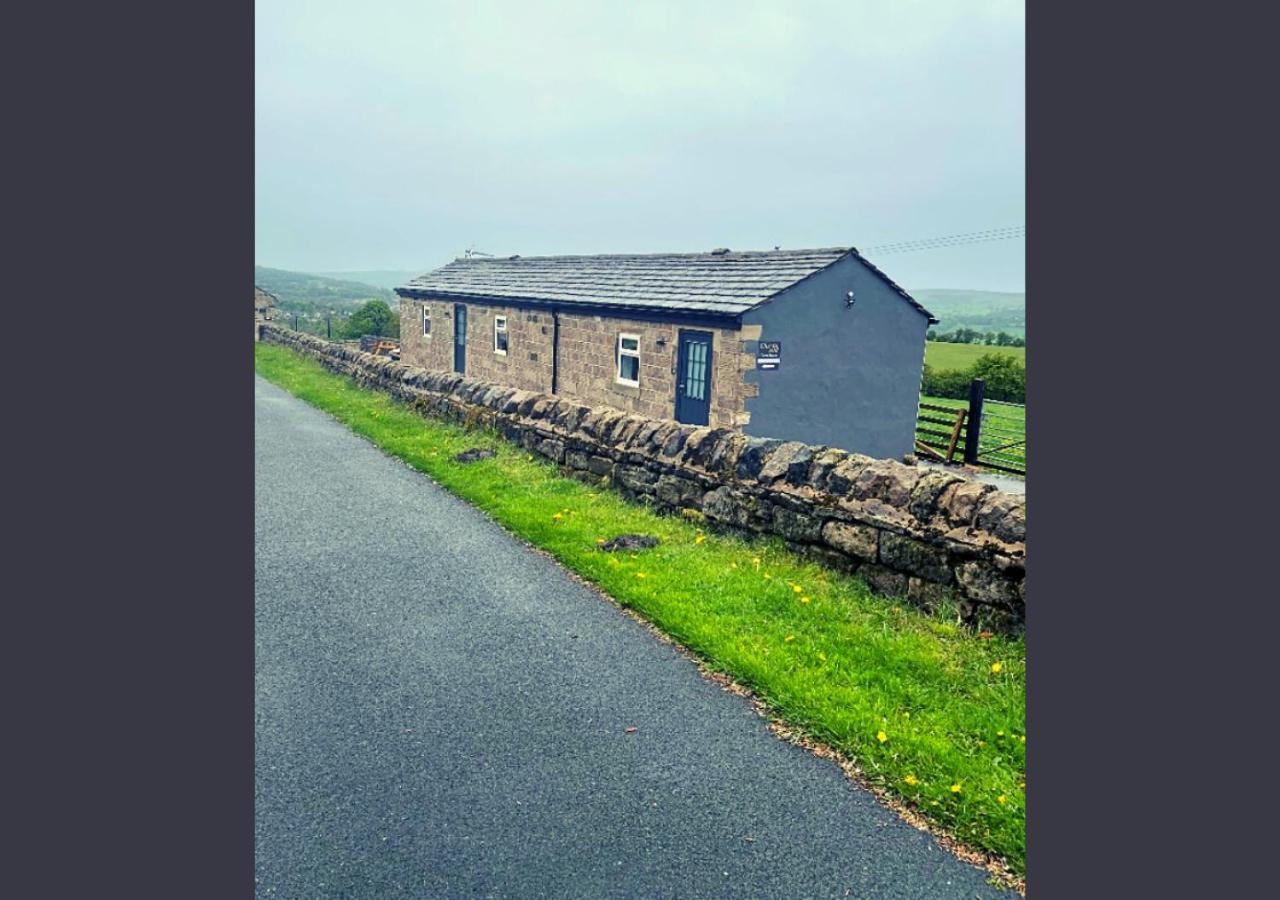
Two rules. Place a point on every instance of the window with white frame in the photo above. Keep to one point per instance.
(500, 335)
(426, 320)
(629, 359)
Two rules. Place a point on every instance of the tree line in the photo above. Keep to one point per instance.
(373, 317)
(1005, 379)
(973, 336)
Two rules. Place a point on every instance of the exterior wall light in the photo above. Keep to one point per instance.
(848, 300)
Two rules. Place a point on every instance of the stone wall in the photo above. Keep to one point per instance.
(588, 369)
(587, 363)
(931, 537)
(527, 363)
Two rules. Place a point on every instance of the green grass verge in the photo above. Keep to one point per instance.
(943, 357)
(931, 713)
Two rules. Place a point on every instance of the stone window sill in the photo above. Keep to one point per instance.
(625, 390)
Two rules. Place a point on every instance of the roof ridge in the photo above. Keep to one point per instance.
(710, 254)
(727, 283)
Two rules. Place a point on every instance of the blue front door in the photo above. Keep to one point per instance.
(693, 378)
(460, 338)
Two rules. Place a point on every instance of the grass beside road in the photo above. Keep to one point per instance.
(930, 713)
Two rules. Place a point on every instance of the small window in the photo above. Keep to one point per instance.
(500, 335)
(426, 320)
(629, 359)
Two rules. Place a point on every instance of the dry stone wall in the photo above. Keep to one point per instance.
(934, 538)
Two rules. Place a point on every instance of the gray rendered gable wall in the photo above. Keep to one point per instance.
(850, 377)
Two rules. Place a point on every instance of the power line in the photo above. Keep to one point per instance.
(950, 240)
(930, 245)
(953, 240)
(987, 234)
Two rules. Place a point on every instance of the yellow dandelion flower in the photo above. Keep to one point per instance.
(557, 517)
(999, 734)
(911, 779)
(881, 736)
(797, 588)
(767, 575)
(790, 637)
(1022, 739)
(641, 575)
(733, 565)
(698, 539)
(804, 599)
(955, 788)
(822, 656)
(755, 561)
(1001, 799)
(997, 666)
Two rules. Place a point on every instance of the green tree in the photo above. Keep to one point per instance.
(1005, 377)
(375, 317)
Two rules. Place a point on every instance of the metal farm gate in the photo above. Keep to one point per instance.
(989, 434)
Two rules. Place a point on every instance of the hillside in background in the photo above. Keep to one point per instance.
(383, 278)
(983, 310)
(302, 291)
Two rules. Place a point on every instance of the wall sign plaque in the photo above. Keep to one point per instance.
(769, 354)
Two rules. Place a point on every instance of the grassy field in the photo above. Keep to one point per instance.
(931, 714)
(951, 357)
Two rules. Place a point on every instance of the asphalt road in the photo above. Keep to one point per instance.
(441, 712)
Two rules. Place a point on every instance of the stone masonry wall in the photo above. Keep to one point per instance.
(526, 365)
(587, 364)
(933, 537)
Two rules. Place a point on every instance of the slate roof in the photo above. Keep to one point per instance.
(720, 283)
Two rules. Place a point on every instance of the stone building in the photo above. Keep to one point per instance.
(263, 305)
(817, 346)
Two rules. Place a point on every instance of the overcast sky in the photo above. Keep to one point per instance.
(394, 135)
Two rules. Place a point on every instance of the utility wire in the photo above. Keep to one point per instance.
(928, 245)
(1014, 230)
(950, 240)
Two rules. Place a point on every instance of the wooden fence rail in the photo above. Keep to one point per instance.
(994, 433)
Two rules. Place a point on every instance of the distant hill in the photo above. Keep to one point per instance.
(983, 310)
(383, 278)
(304, 291)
